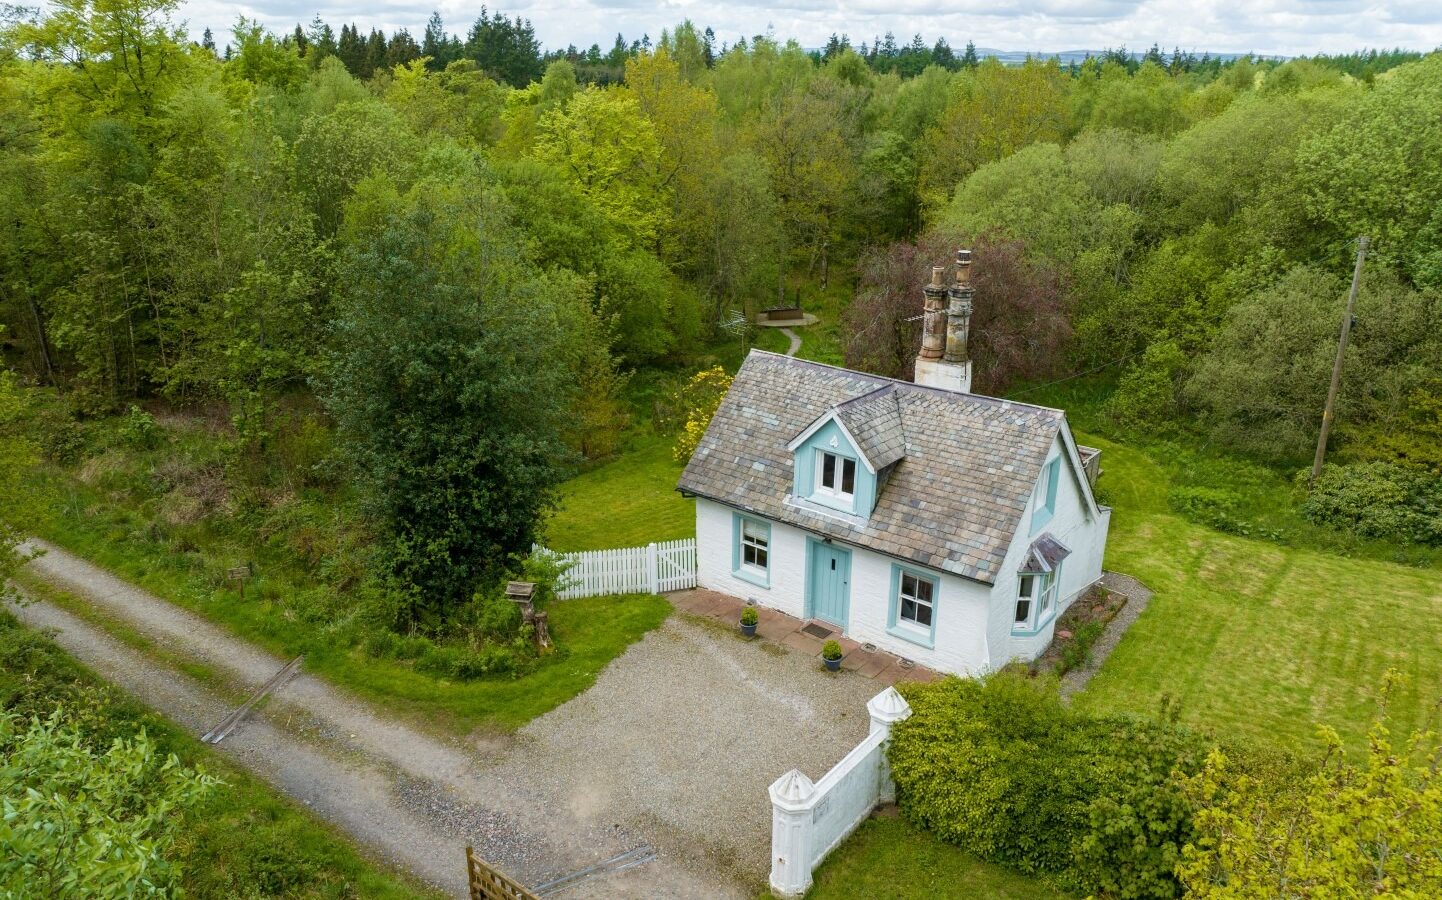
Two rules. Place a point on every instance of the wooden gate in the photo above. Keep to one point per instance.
(490, 883)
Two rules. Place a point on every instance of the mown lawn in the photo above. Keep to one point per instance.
(887, 859)
(1256, 638)
(244, 840)
(626, 502)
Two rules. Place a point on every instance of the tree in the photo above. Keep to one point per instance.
(1347, 830)
(16, 456)
(1263, 383)
(1379, 172)
(81, 823)
(453, 406)
(608, 149)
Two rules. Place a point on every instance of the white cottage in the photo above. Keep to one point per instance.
(946, 527)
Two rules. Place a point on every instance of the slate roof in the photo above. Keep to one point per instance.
(953, 500)
(1044, 554)
(874, 419)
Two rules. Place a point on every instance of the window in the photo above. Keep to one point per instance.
(1044, 499)
(913, 606)
(751, 553)
(755, 539)
(1023, 599)
(915, 600)
(1036, 599)
(838, 474)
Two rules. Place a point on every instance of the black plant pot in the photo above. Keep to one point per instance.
(832, 665)
(748, 630)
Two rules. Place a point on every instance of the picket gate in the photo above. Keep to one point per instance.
(653, 569)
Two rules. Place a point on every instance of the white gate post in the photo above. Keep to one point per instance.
(791, 797)
(653, 568)
(886, 709)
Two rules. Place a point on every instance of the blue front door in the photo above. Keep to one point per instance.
(830, 582)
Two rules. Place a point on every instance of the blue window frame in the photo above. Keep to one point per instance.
(751, 550)
(1044, 501)
(914, 596)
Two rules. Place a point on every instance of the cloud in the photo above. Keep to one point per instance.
(1289, 27)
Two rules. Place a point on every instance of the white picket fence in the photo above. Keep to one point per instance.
(652, 569)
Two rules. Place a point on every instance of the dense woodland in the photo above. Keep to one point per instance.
(438, 269)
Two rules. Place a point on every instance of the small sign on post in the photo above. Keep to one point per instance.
(239, 574)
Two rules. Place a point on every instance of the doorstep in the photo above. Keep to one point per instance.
(801, 635)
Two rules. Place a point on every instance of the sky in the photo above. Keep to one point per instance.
(1271, 27)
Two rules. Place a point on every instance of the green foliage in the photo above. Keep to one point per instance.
(456, 437)
(1346, 830)
(1264, 382)
(82, 823)
(139, 430)
(1077, 652)
(1001, 768)
(17, 453)
(749, 616)
(831, 650)
(1376, 499)
(1146, 396)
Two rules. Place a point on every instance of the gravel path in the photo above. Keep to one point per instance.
(795, 341)
(674, 746)
(1138, 595)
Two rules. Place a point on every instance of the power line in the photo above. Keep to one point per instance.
(1080, 374)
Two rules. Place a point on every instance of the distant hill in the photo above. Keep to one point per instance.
(1075, 56)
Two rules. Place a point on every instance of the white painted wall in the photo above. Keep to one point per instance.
(1071, 524)
(961, 605)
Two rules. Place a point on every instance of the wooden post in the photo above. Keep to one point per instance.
(1328, 412)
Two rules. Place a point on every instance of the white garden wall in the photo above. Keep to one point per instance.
(810, 819)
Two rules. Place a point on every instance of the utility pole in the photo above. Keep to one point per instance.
(1337, 364)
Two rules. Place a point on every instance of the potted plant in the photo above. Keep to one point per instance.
(831, 655)
(749, 618)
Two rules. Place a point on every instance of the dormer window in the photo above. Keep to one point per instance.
(837, 475)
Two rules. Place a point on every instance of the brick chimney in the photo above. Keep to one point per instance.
(943, 361)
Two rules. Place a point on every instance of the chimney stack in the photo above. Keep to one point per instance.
(943, 361)
(958, 313)
(933, 332)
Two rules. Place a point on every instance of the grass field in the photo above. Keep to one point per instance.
(887, 859)
(627, 502)
(244, 840)
(1256, 638)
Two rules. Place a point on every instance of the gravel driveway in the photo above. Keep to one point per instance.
(674, 746)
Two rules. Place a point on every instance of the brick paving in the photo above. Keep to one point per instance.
(785, 631)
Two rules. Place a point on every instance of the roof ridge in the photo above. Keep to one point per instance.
(894, 382)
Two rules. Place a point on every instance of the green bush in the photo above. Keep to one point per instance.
(1076, 652)
(464, 663)
(1001, 768)
(749, 616)
(1379, 500)
(831, 650)
(138, 430)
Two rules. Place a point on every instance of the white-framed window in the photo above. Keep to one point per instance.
(914, 596)
(836, 474)
(1025, 600)
(755, 546)
(1036, 599)
(916, 601)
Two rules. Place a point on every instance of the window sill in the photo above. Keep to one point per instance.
(1041, 519)
(1033, 632)
(913, 636)
(760, 579)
